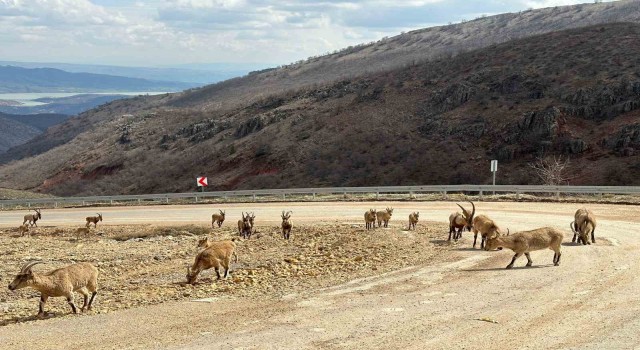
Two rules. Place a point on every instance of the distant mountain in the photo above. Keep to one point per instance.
(13, 133)
(38, 121)
(18, 80)
(187, 73)
(71, 105)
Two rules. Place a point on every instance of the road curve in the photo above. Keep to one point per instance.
(588, 302)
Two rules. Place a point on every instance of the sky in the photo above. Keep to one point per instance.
(178, 32)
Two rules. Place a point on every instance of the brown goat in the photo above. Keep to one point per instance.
(217, 218)
(384, 217)
(286, 224)
(370, 218)
(584, 224)
(32, 218)
(413, 219)
(485, 226)
(218, 254)
(458, 222)
(62, 282)
(93, 220)
(245, 226)
(23, 229)
(528, 241)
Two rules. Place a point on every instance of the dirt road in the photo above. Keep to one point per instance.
(589, 302)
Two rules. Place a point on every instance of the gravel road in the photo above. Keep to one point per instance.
(589, 302)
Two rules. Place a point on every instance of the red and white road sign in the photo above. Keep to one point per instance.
(202, 181)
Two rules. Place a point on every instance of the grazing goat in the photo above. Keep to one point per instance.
(485, 226)
(32, 218)
(528, 241)
(62, 282)
(23, 229)
(458, 222)
(93, 220)
(217, 254)
(217, 219)
(384, 216)
(82, 231)
(413, 219)
(584, 224)
(245, 226)
(286, 224)
(370, 218)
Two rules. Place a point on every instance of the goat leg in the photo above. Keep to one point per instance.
(529, 261)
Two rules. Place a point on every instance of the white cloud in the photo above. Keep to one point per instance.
(156, 32)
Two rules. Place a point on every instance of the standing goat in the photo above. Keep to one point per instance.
(93, 220)
(485, 226)
(245, 226)
(370, 218)
(384, 216)
(217, 218)
(32, 218)
(413, 220)
(584, 224)
(286, 224)
(528, 241)
(458, 222)
(217, 254)
(62, 282)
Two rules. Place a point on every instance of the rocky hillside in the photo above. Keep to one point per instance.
(13, 133)
(574, 93)
(387, 54)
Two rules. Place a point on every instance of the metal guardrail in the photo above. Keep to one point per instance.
(444, 189)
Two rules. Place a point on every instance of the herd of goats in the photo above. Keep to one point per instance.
(82, 277)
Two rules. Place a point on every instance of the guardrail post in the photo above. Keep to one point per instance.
(481, 195)
(55, 204)
(111, 202)
(377, 194)
(167, 200)
(314, 196)
(344, 195)
(444, 195)
(29, 204)
(83, 203)
(284, 196)
(517, 195)
(558, 195)
(254, 197)
(410, 194)
(139, 200)
(196, 199)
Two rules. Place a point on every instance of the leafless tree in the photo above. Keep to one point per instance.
(552, 170)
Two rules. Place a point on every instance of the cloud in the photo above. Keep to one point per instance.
(160, 32)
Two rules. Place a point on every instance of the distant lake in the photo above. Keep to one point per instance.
(27, 99)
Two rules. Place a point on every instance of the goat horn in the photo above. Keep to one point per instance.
(26, 267)
(474, 209)
(463, 209)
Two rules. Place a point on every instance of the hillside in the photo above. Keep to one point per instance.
(13, 133)
(39, 121)
(404, 50)
(18, 79)
(574, 93)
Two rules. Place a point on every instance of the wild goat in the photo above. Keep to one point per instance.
(370, 218)
(286, 224)
(528, 241)
(32, 218)
(485, 226)
(245, 226)
(384, 216)
(217, 254)
(204, 243)
(218, 218)
(413, 219)
(459, 222)
(22, 229)
(583, 224)
(93, 220)
(62, 282)
(82, 231)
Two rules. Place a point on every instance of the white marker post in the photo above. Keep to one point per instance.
(494, 170)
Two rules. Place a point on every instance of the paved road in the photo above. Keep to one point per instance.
(589, 302)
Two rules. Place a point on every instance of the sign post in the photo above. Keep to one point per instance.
(494, 169)
(202, 182)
